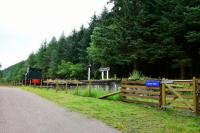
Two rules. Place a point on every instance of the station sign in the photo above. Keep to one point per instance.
(104, 69)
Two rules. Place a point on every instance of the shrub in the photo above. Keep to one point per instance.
(136, 75)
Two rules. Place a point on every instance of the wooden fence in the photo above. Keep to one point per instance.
(136, 91)
(180, 94)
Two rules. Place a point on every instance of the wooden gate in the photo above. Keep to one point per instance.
(198, 97)
(179, 94)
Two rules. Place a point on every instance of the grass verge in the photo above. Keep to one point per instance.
(95, 93)
(129, 118)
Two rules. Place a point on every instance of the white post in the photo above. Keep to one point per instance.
(107, 74)
(88, 73)
(102, 75)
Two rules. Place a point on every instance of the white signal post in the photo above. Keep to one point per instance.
(89, 71)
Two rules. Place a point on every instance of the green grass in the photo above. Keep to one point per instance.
(95, 93)
(129, 118)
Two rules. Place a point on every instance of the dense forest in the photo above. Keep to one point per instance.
(160, 38)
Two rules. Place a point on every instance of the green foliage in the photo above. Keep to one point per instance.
(77, 71)
(64, 69)
(136, 75)
(193, 36)
(146, 33)
(69, 70)
(15, 72)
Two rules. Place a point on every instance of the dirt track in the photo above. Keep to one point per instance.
(24, 112)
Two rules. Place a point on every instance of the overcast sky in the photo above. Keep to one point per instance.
(25, 24)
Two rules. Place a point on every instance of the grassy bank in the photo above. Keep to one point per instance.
(130, 118)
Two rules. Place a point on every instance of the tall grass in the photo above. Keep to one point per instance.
(94, 92)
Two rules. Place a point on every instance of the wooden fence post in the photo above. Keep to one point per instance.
(41, 83)
(29, 82)
(56, 86)
(66, 88)
(163, 94)
(89, 87)
(198, 97)
(125, 82)
(194, 94)
(47, 83)
(77, 88)
(160, 97)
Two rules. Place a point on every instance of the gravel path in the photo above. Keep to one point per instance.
(24, 112)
